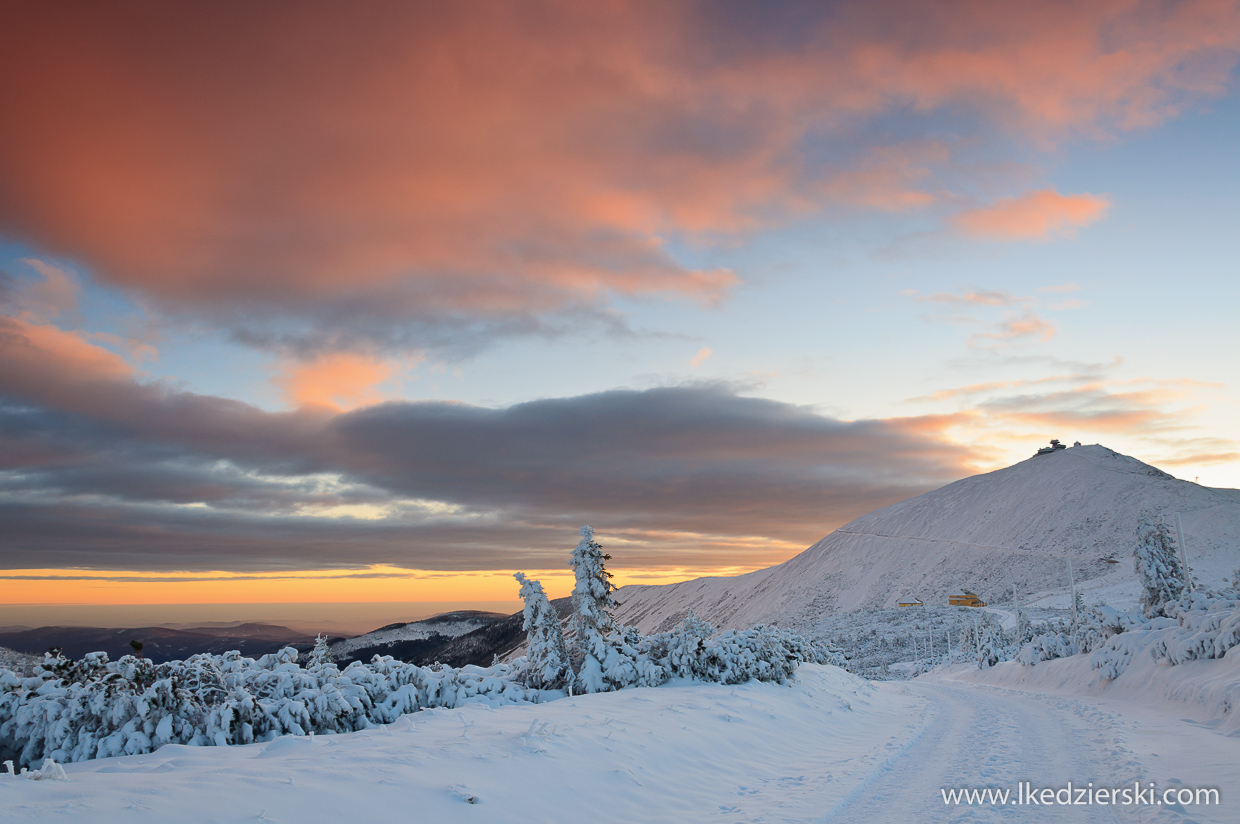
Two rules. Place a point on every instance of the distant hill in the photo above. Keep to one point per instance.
(1016, 526)
(453, 638)
(428, 640)
(158, 643)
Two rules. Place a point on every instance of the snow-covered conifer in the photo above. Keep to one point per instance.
(321, 654)
(546, 663)
(991, 643)
(592, 618)
(1157, 566)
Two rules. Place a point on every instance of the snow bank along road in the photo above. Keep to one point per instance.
(829, 748)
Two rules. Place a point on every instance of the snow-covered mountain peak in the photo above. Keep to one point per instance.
(1015, 527)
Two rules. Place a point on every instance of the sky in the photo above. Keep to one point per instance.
(345, 313)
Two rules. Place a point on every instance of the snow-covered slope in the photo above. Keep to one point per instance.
(14, 661)
(445, 626)
(1016, 526)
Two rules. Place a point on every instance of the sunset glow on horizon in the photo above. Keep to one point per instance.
(301, 303)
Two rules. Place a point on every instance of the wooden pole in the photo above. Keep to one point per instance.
(1179, 540)
(1072, 587)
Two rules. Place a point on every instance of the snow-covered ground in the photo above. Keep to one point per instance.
(828, 747)
(683, 752)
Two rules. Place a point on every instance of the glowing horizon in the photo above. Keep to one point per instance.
(428, 288)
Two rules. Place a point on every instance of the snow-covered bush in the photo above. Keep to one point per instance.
(1157, 566)
(1099, 623)
(1047, 646)
(1115, 654)
(67, 711)
(1199, 624)
(694, 650)
(898, 643)
(95, 708)
(1207, 626)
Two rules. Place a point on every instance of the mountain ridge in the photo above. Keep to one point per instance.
(1014, 527)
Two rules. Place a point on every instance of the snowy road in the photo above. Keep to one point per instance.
(978, 736)
(828, 748)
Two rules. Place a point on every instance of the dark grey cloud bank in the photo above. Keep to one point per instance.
(117, 474)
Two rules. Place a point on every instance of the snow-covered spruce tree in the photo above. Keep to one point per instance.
(1157, 566)
(992, 643)
(546, 664)
(321, 654)
(602, 664)
(1077, 613)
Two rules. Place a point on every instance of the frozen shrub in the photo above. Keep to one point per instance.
(74, 711)
(1113, 656)
(1046, 647)
(68, 711)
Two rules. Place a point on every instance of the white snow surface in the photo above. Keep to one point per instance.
(1016, 526)
(1207, 691)
(682, 752)
(828, 747)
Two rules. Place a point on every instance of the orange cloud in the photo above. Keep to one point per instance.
(1151, 419)
(974, 297)
(476, 159)
(1026, 327)
(33, 351)
(1104, 408)
(700, 358)
(1039, 215)
(338, 381)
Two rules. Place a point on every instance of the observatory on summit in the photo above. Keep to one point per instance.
(1054, 447)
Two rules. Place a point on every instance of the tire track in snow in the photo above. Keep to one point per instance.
(989, 738)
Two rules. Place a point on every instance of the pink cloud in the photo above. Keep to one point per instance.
(1025, 328)
(338, 381)
(703, 354)
(484, 160)
(1039, 215)
(975, 297)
